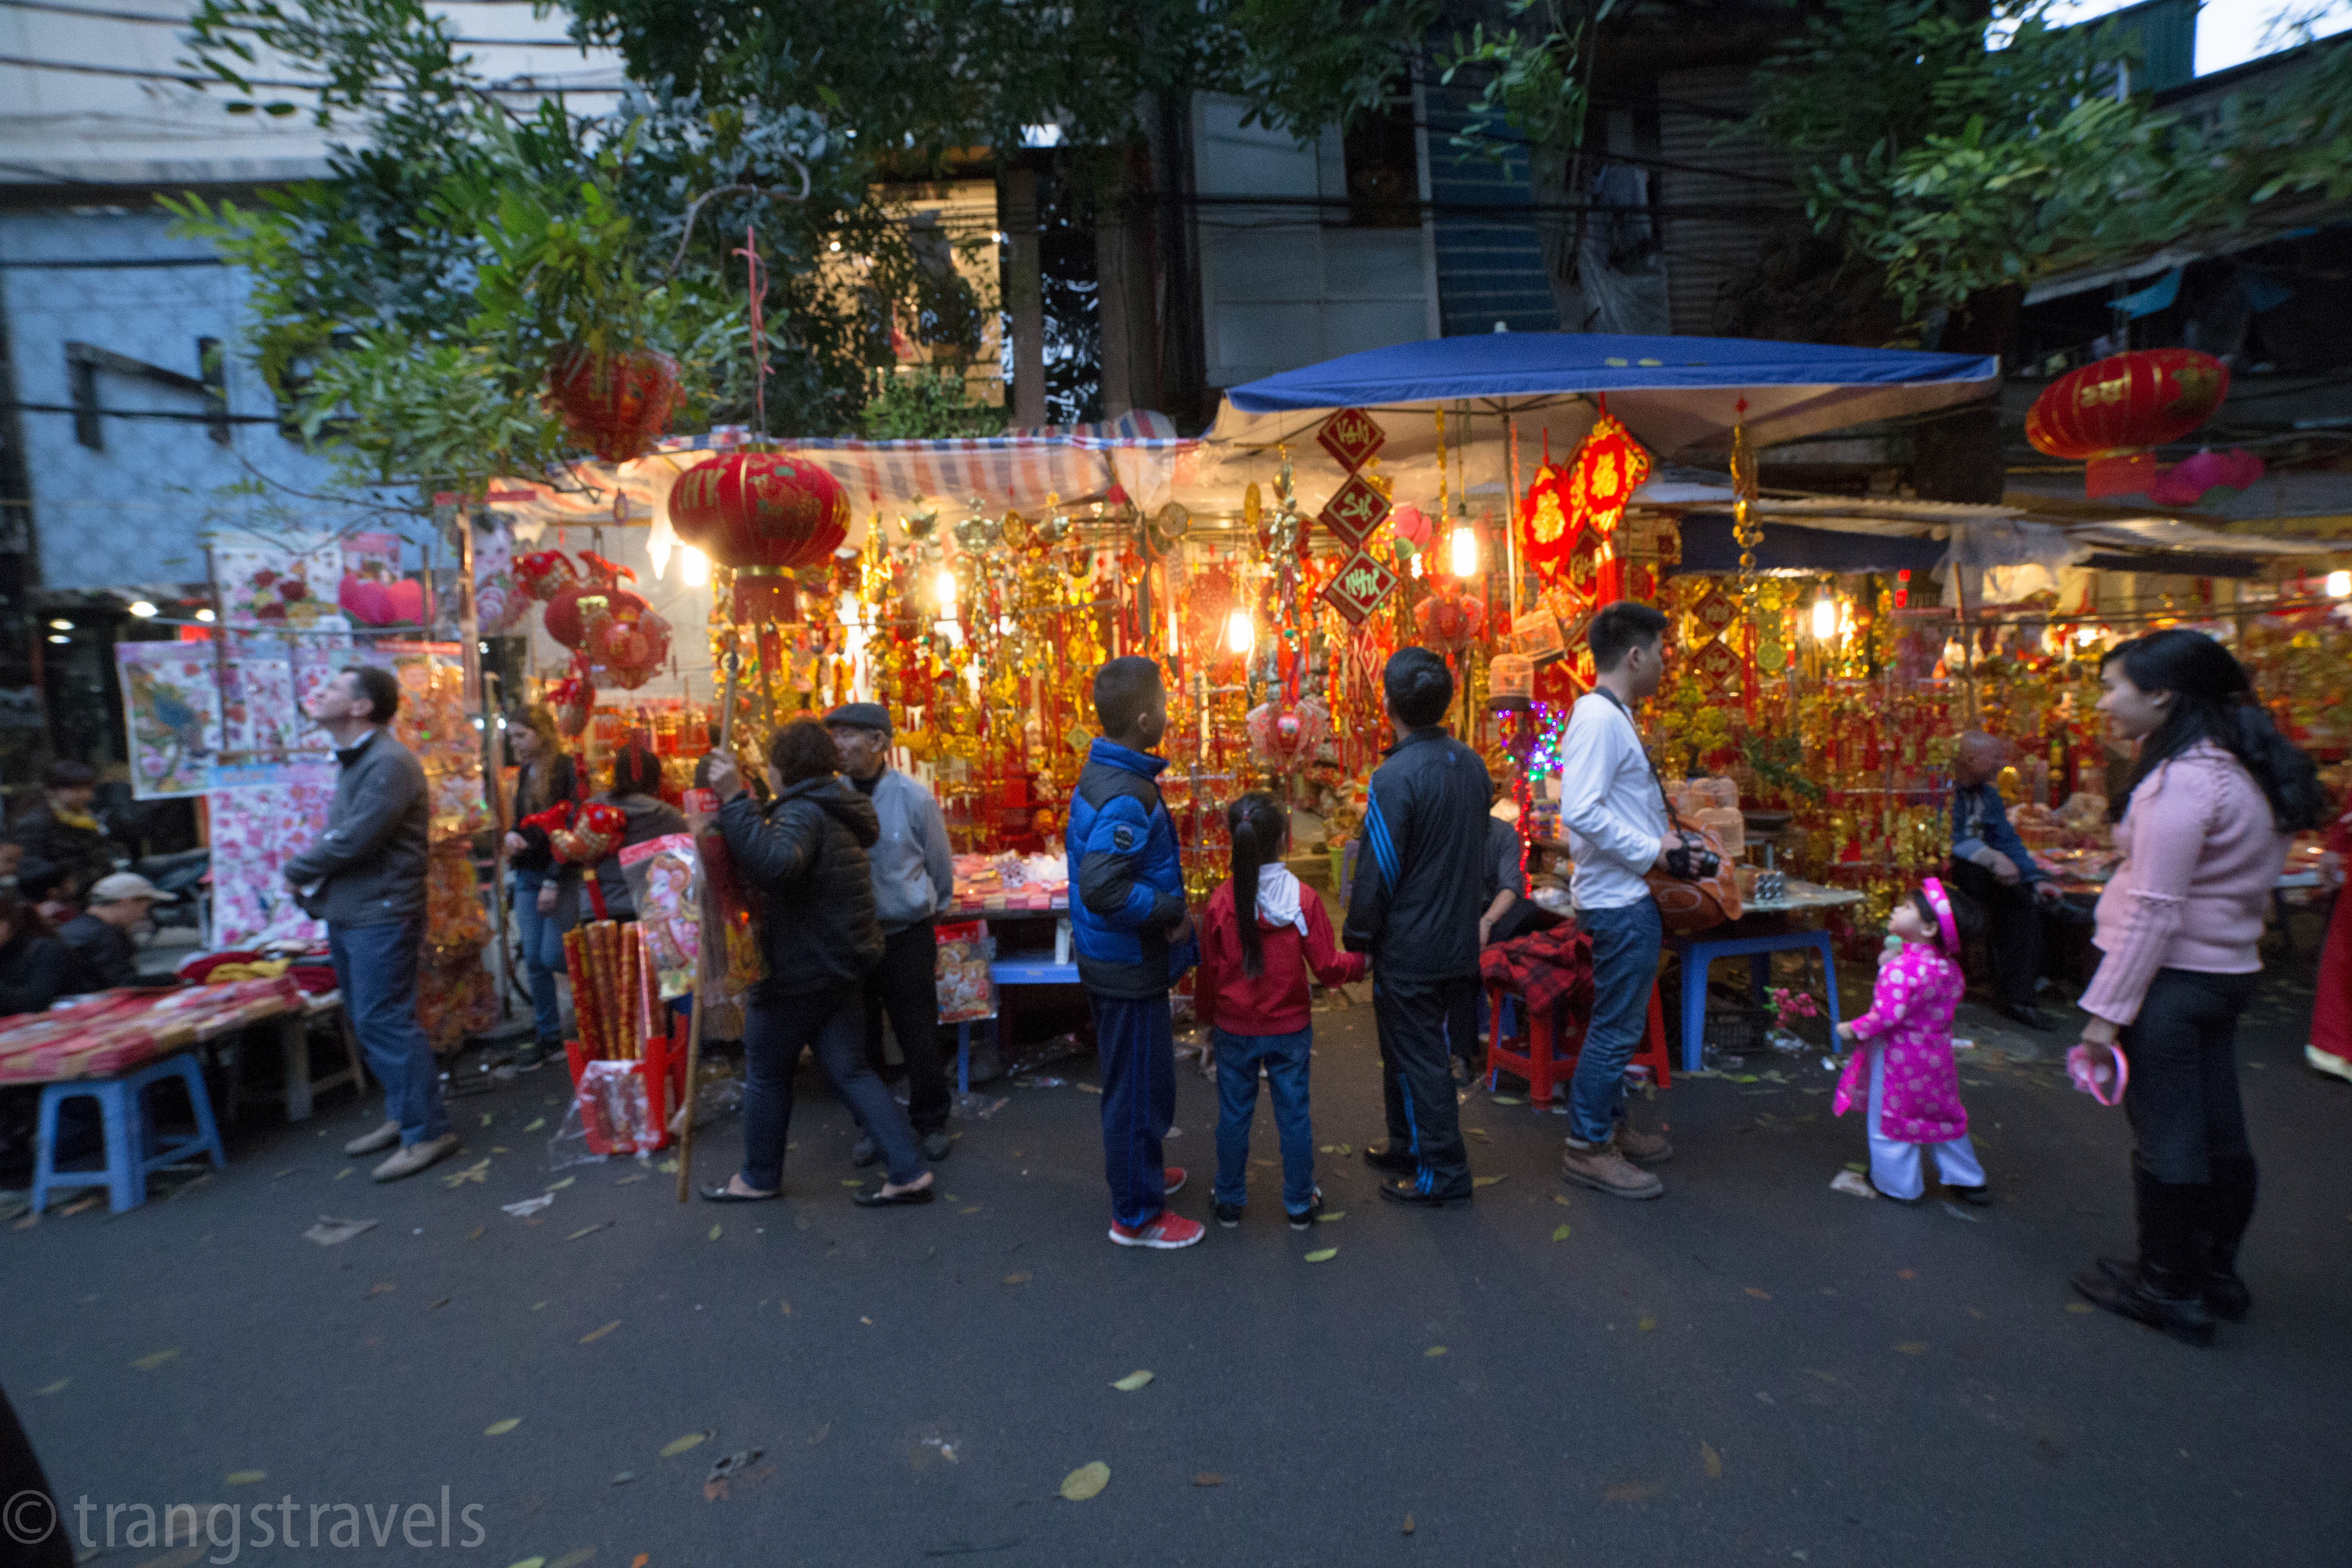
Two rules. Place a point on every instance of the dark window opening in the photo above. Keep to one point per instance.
(1383, 168)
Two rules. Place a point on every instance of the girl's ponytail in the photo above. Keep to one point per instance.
(1255, 822)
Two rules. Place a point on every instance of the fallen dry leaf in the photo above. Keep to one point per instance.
(715, 1230)
(1912, 1347)
(1432, 1351)
(1507, 1100)
(1561, 1198)
(599, 1333)
(2082, 1307)
(1646, 1324)
(56, 1387)
(787, 1306)
(530, 1563)
(1408, 1524)
(332, 1232)
(247, 1478)
(1712, 1462)
(1208, 1478)
(1132, 1382)
(1331, 1216)
(588, 1230)
(1759, 1295)
(477, 1234)
(559, 1186)
(151, 1361)
(677, 1445)
(1323, 1254)
(342, 1174)
(640, 1560)
(536, 1124)
(1906, 1274)
(382, 1288)
(437, 1305)
(1022, 1278)
(1086, 1481)
(501, 1428)
(1487, 1181)
(182, 1558)
(1560, 1232)
(1631, 1491)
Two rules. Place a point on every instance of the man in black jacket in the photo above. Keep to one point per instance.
(805, 856)
(100, 935)
(365, 877)
(1415, 910)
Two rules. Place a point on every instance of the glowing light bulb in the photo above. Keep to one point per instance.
(141, 608)
(1241, 631)
(943, 590)
(657, 550)
(205, 613)
(1826, 618)
(1461, 551)
(2086, 637)
(2339, 584)
(693, 567)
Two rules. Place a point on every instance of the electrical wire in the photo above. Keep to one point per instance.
(152, 19)
(188, 79)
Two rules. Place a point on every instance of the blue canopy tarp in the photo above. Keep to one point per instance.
(1680, 396)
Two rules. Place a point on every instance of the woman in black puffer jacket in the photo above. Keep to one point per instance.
(804, 857)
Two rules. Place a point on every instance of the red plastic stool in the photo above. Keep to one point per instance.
(1544, 1060)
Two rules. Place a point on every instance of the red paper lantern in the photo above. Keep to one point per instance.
(2111, 412)
(766, 515)
(614, 405)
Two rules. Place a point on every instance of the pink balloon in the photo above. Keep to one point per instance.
(365, 602)
(2186, 482)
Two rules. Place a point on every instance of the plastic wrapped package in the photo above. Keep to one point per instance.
(966, 992)
(610, 1114)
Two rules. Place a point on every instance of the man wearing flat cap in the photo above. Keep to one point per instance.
(100, 935)
(914, 880)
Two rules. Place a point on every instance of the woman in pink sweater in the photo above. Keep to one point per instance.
(2212, 794)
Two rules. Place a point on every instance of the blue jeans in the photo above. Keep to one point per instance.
(375, 965)
(1285, 1060)
(1626, 946)
(831, 1021)
(542, 954)
(1137, 1046)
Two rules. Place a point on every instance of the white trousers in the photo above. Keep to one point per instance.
(1894, 1164)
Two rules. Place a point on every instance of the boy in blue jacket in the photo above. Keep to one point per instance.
(1133, 937)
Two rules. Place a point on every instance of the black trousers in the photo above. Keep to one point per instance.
(905, 985)
(1417, 1078)
(2182, 1099)
(2013, 931)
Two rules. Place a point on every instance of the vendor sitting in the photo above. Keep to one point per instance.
(100, 935)
(36, 968)
(1991, 865)
(62, 831)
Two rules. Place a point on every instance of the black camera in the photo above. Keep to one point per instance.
(1692, 861)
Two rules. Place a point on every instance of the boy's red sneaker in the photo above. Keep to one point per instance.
(1174, 1177)
(1163, 1230)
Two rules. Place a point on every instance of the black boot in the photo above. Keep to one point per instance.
(2165, 1291)
(2231, 1207)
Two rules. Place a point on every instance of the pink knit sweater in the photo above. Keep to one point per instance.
(2201, 856)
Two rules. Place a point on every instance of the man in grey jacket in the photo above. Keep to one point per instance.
(365, 877)
(914, 879)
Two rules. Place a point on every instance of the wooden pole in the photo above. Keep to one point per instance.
(694, 1015)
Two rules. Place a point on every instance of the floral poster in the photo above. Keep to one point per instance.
(275, 584)
(171, 712)
(254, 832)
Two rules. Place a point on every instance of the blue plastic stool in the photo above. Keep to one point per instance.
(130, 1151)
(1697, 953)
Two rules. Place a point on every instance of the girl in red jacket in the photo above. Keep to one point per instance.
(1262, 936)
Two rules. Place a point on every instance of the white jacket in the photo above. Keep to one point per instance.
(1611, 803)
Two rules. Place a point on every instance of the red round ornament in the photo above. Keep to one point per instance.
(2110, 413)
(765, 514)
(613, 404)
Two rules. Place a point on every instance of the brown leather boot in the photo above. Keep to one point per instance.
(1601, 1167)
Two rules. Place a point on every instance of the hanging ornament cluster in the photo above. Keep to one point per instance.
(2113, 413)
(768, 515)
(616, 405)
(612, 631)
(1286, 737)
(1607, 467)
(1355, 508)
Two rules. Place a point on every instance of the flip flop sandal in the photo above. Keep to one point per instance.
(726, 1196)
(877, 1199)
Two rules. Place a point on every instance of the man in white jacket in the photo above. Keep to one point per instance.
(914, 881)
(1615, 812)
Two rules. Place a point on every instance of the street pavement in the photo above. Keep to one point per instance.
(1756, 1369)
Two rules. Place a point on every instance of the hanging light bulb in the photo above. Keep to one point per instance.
(1461, 551)
(693, 567)
(658, 545)
(2339, 584)
(1241, 631)
(943, 590)
(1825, 616)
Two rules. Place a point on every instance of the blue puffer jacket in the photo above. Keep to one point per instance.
(1127, 882)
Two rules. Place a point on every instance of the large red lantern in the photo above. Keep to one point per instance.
(766, 515)
(613, 404)
(2111, 414)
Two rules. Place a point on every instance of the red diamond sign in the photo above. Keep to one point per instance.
(1362, 583)
(1716, 665)
(1350, 437)
(1355, 509)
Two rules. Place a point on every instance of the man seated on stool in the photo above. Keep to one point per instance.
(100, 935)
(1991, 865)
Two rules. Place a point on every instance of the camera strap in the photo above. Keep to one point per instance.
(1674, 818)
